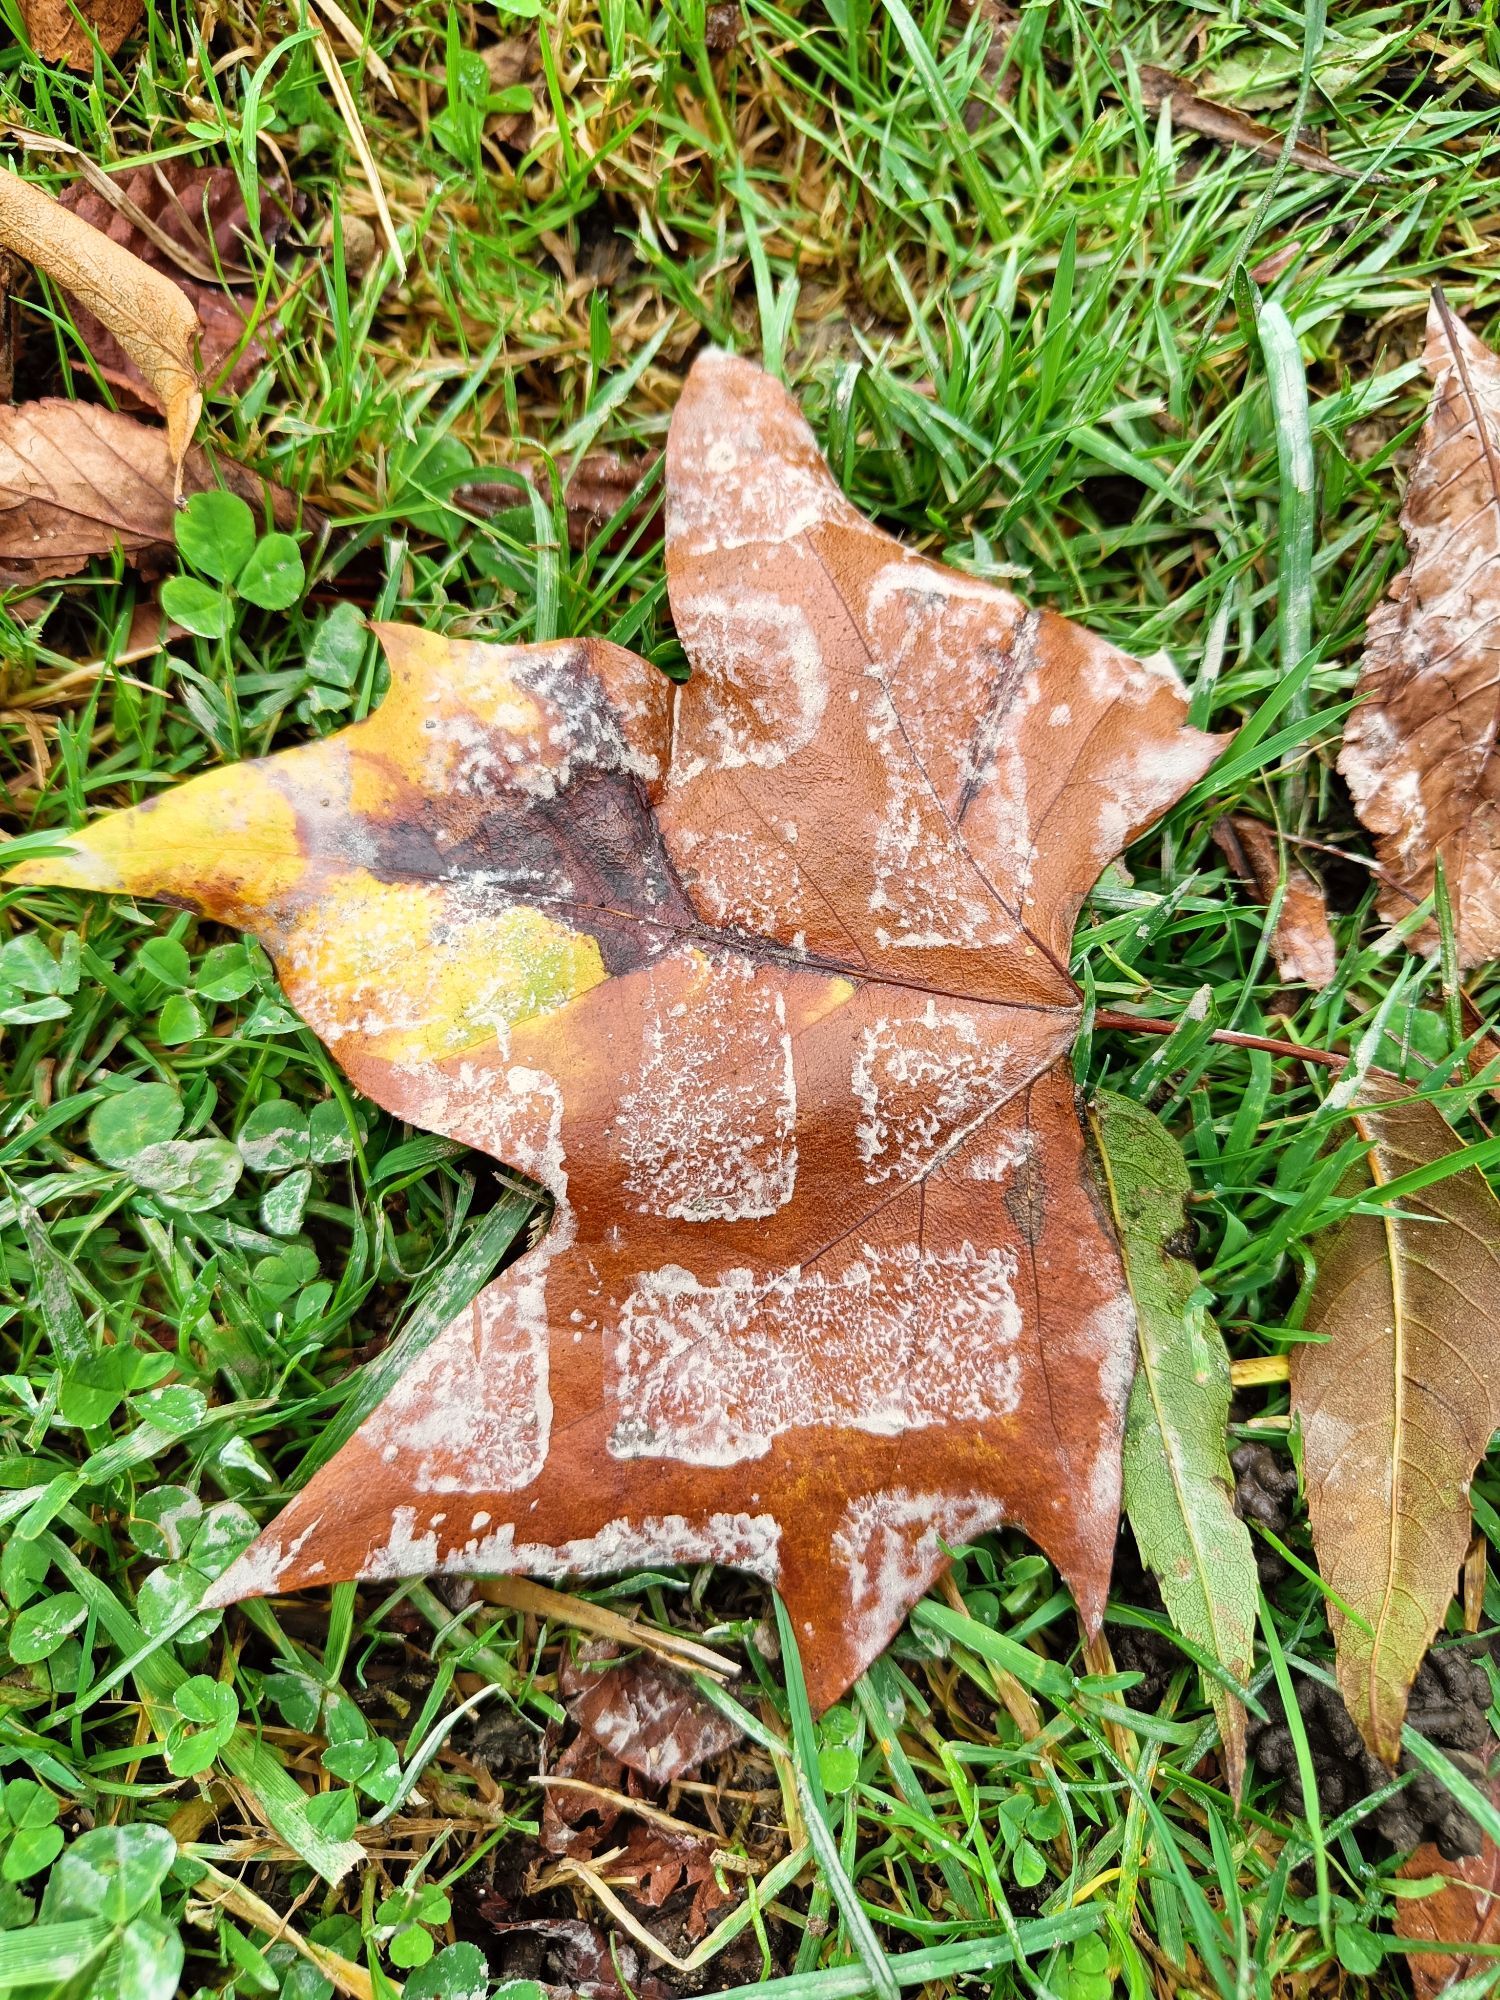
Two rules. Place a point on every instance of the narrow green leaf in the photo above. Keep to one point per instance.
(1177, 1477)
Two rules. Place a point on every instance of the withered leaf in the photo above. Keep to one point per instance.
(602, 486)
(765, 979)
(1466, 1911)
(152, 320)
(191, 224)
(1419, 750)
(1229, 127)
(1398, 1402)
(580, 1956)
(77, 481)
(1302, 944)
(580, 1811)
(658, 1863)
(65, 31)
(646, 1715)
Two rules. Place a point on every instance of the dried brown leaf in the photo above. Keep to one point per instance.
(1302, 944)
(580, 1959)
(1466, 1911)
(995, 72)
(645, 1715)
(658, 1864)
(764, 977)
(605, 484)
(1230, 127)
(191, 224)
(1398, 1402)
(142, 308)
(77, 481)
(65, 31)
(1419, 751)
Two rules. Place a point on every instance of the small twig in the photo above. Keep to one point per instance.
(1147, 1024)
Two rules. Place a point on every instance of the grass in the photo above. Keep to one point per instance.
(1161, 385)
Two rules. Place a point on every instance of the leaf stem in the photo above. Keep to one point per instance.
(1147, 1024)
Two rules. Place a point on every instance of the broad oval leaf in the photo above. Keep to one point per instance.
(764, 979)
(1398, 1399)
(111, 1872)
(1177, 1481)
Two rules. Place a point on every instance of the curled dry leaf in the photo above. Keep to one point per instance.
(66, 31)
(1465, 1911)
(1302, 944)
(579, 1960)
(604, 485)
(646, 1716)
(1178, 1483)
(77, 481)
(149, 316)
(1398, 1402)
(764, 979)
(1420, 749)
(1230, 127)
(190, 223)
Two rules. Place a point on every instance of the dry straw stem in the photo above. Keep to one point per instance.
(516, 1593)
(152, 318)
(342, 1973)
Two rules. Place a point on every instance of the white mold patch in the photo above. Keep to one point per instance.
(761, 688)
(999, 1159)
(707, 1131)
(897, 1340)
(741, 878)
(920, 1083)
(403, 1554)
(889, 1544)
(260, 1569)
(743, 1541)
(759, 478)
(515, 1117)
(474, 1414)
(927, 892)
(525, 719)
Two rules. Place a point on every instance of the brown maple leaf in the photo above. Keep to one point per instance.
(1419, 751)
(764, 978)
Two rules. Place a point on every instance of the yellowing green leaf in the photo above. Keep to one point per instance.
(1177, 1478)
(1398, 1402)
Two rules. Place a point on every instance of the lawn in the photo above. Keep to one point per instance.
(1031, 316)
